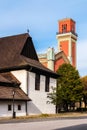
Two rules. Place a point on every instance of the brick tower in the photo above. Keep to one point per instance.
(67, 38)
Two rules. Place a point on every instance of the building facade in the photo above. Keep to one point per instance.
(36, 87)
(13, 99)
(19, 58)
(66, 37)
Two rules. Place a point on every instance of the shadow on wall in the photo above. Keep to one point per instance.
(77, 127)
(33, 109)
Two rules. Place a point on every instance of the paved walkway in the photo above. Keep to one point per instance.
(64, 124)
(39, 119)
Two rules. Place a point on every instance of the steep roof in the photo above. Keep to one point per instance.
(6, 93)
(8, 78)
(11, 48)
(18, 52)
(8, 84)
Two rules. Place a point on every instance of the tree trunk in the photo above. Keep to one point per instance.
(57, 109)
(66, 107)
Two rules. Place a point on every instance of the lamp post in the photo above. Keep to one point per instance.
(13, 104)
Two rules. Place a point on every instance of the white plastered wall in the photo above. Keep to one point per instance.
(39, 103)
(21, 75)
(39, 98)
(4, 109)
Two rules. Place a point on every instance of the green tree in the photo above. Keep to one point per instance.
(69, 87)
(56, 97)
(84, 83)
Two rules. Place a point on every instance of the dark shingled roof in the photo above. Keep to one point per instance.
(10, 49)
(8, 84)
(18, 52)
(6, 93)
(8, 78)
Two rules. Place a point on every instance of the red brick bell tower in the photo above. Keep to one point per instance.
(67, 38)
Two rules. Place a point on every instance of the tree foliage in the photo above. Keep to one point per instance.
(84, 83)
(69, 87)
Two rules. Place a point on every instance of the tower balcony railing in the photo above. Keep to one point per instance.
(67, 32)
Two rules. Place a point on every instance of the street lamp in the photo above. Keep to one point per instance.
(13, 104)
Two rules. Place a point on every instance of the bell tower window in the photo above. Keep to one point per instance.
(64, 28)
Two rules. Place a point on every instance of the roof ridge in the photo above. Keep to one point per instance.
(20, 34)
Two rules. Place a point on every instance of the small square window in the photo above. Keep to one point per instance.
(9, 107)
(19, 107)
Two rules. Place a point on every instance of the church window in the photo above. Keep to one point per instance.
(47, 84)
(37, 82)
(19, 107)
(9, 107)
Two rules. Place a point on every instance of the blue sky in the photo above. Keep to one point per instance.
(41, 18)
